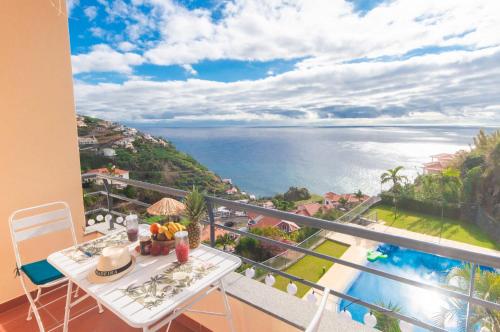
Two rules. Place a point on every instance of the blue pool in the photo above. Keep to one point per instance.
(416, 302)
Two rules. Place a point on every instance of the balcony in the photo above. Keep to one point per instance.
(293, 311)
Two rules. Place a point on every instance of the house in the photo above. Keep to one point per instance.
(116, 172)
(259, 221)
(223, 212)
(228, 181)
(268, 205)
(80, 122)
(331, 199)
(309, 209)
(130, 132)
(438, 163)
(125, 142)
(232, 191)
(108, 152)
(87, 140)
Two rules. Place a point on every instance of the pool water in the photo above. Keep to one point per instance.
(413, 301)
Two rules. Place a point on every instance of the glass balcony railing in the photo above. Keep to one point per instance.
(230, 217)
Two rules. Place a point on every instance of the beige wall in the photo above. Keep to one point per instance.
(38, 140)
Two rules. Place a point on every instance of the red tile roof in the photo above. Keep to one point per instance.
(309, 209)
(351, 198)
(104, 170)
(265, 221)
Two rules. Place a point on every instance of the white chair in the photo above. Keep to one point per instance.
(29, 223)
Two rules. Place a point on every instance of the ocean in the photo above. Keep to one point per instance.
(266, 161)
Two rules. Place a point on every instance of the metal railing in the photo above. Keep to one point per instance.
(475, 258)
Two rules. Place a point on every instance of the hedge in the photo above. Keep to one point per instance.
(433, 208)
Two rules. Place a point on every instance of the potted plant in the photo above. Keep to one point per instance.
(195, 211)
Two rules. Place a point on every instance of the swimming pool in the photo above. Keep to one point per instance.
(413, 301)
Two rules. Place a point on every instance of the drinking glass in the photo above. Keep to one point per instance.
(182, 246)
(132, 227)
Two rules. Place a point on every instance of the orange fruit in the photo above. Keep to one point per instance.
(154, 228)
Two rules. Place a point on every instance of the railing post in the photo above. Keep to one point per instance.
(211, 219)
(471, 295)
(107, 186)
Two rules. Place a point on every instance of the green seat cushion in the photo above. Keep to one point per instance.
(41, 272)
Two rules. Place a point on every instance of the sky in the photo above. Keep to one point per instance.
(287, 62)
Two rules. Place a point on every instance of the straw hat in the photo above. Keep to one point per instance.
(166, 207)
(113, 264)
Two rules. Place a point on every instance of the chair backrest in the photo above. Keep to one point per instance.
(39, 220)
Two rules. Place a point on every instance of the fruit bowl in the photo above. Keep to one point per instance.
(166, 243)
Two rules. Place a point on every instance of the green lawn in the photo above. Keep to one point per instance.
(314, 199)
(426, 224)
(311, 268)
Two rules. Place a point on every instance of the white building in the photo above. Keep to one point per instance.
(108, 152)
(87, 140)
(116, 172)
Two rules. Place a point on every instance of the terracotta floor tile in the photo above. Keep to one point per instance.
(14, 319)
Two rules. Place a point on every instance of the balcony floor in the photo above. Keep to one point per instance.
(14, 319)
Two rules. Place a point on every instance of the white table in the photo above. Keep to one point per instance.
(135, 309)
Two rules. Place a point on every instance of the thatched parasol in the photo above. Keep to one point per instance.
(166, 207)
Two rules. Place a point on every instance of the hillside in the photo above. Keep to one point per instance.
(147, 158)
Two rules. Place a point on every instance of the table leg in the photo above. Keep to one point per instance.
(67, 307)
(229, 314)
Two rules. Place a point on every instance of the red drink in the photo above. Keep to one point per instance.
(182, 252)
(132, 234)
(181, 246)
(132, 227)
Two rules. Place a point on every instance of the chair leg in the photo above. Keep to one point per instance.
(33, 308)
(101, 310)
(30, 310)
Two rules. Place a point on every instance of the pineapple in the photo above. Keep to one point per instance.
(195, 211)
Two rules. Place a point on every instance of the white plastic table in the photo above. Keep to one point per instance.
(155, 292)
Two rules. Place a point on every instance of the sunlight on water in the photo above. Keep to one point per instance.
(266, 161)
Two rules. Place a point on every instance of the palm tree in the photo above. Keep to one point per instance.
(486, 287)
(359, 195)
(392, 175)
(387, 323)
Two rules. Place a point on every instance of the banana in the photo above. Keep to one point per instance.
(172, 228)
(169, 235)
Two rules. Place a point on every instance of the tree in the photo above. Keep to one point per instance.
(387, 323)
(294, 194)
(392, 175)
(343, 201)
(283, 205)
(486, 287)
(359, 195)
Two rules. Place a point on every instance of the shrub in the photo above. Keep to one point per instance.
(428, 207)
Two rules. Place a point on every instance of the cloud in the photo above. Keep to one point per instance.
(189, 69)
(103, 58)
(455, 87)
(70, 5)
(265, 30)
(90, 12)
(126, 46)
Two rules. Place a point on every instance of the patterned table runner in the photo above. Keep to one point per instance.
(93, 248)
(168, 283)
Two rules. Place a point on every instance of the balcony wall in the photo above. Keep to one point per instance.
(38, 138)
